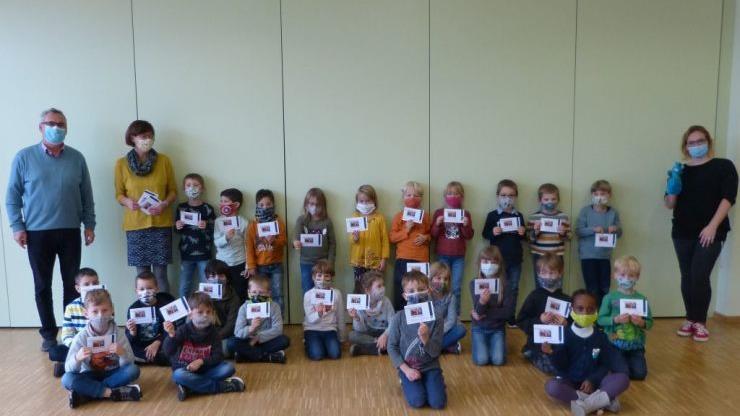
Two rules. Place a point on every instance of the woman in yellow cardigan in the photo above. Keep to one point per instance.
(149, 227)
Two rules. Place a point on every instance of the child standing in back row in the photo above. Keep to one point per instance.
(314, 220)
(411, 238)
(509, 242)
(265, 254)
(370, 249)
(598, 217)
(543, 242)
(229, 236)
(195, 240)
(451, 238)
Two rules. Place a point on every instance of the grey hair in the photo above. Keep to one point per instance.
(51, 110)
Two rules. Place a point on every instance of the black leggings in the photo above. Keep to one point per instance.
(696, 264)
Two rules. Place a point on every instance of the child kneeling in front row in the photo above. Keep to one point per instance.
(445, 304)
(196, 354)
(591, 374)
(414, 349)
(259, 339)
(369, 334)
(323, 325)
(146, 339)
(104, 374)
(627, 331)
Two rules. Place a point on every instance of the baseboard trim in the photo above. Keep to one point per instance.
(726, 318)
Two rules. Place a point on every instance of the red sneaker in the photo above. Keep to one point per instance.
(701, 333)
(686, 329)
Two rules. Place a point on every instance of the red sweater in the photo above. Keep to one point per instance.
(451, 238)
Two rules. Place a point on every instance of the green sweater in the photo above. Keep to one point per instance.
(624, 336)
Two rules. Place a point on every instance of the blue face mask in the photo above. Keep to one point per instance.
(548, 206)
(698, 152)
(418, 297)
(54, 134)
(625, 283)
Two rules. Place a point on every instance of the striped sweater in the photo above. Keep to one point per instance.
(545, 242)
(74, 321)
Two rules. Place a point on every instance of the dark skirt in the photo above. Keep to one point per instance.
(151, 246)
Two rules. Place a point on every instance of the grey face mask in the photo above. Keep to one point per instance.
(201, 322)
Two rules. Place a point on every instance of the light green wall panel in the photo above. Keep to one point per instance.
(5, 307)
(645, 71)
(76, 56)
(209, 79)
(501, 106)
(356, 110)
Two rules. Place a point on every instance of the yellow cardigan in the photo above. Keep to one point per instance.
(161, 180)
(373, 244)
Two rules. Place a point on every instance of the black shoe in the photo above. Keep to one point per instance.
(129, 393)
(362, 349)
(58, 369)
(182, 392)
(47, 344)
(232, 385)
(76, 399)
(274, 357)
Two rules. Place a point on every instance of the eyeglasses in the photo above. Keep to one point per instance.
(62, 125)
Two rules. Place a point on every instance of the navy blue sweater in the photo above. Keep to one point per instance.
(591, 358)
(510, 243)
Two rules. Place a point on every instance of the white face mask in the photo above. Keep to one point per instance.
(488, 269)
(312, 209)
(144, 145)
(600, 199)
(365, 209)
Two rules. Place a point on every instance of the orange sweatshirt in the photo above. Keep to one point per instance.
(404, 239)
(260, 252)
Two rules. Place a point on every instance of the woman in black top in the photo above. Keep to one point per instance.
(700, 193)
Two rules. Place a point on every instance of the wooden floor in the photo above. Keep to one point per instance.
(685, 377)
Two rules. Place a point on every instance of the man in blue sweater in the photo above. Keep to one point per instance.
(49, 195)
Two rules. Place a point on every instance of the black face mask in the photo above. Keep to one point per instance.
(259, 298)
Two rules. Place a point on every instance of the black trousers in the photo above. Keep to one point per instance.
(696, 264)
(43, 248)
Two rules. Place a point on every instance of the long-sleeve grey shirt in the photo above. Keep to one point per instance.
(99, 361)
(269, 328)
(332, 320)
(589, 218)
(328, 249)
(447, 307)
(404, 345)
(369, 321)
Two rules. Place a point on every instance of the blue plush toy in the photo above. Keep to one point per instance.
(673, 184)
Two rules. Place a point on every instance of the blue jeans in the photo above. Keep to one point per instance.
(489, 346)
(455, 334)
(258, 351)
(322, 344)
(94, 383)
(275, 273)
(597, 276)
(429, 389)
(636, 363)
(513, 275)
(208, 381)
(187, 268)
(306, 277)
(457, 269)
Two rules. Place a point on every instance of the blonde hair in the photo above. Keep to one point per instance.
(601, 185)
(493, 254)
(414, 276)
(418, 189)
(370, 277)
(551, 262)
(322, 266)
(368, 191)
(457, 186)
(97, 297)
(439, 268)
(693, 129)
(628, 264)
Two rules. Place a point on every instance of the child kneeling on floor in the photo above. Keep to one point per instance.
(414, 349)
(196, 353)
(104, 373)
(259, 339)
